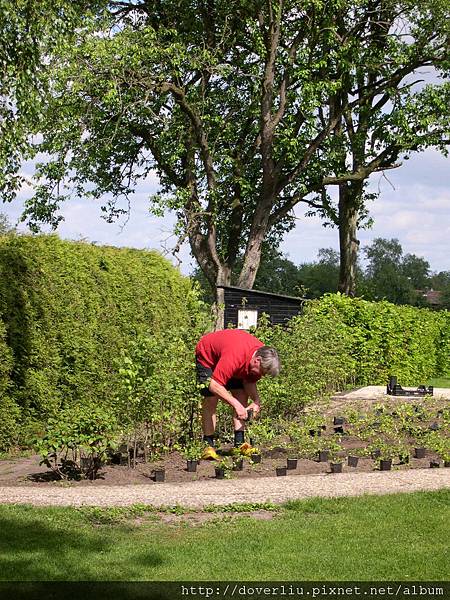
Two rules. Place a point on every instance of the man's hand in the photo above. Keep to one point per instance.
(241, 412)
(255, 408)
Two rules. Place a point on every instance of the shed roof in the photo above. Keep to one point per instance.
(247, 291)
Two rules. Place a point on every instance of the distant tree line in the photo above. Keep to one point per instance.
(386, 274)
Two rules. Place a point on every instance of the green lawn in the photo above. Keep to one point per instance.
(440, 382)
(397, 537)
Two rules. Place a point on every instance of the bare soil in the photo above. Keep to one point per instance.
(28, 472)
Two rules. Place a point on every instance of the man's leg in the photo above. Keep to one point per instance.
(238, 425)
(209, 407)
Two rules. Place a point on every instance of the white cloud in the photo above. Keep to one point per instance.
(416, 210)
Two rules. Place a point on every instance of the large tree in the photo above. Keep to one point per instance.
(393, 276)
(30, 31)
(239, 106)
(385, 112)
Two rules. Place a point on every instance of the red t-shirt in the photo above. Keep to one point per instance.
(228, 353)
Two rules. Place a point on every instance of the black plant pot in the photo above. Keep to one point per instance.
(336, 467)
(352, 461)
(291, 464)
(116, 458)
(338, 421)
(376, 454)
(159, 475)
(315, 432)
(281, 471)
(238, 464)
(191, 466)
(324, 455)
(220, 473)
(419, 452)
(256, 458)
(434, 464)
(339, 429)
(447, 463)
(386, 465)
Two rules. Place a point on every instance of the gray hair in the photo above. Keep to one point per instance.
(270, 361)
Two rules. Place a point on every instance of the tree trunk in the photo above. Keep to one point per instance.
(223, 278)
(349, 202)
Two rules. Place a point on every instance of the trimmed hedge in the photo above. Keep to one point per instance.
(411, 343)
(339, 342)
(70, 309)
(115, 329)
(9, 411)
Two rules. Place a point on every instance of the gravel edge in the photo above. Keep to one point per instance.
(198, 494)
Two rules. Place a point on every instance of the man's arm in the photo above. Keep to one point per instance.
(219, 390)
(252, 391)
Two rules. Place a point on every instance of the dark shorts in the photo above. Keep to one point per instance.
(204, 377)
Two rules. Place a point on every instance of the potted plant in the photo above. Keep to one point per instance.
(159, 475)
(328, 448)
(336, 464)
(238, 464)
(419, 452)
(281, 471)
(223, 468)
(387, 452)
(291, 463)
(324, 455)
(192, 452)
(352, 460)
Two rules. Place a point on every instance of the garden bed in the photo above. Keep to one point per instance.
(397, 425)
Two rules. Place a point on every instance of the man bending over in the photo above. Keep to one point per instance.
(229, 363)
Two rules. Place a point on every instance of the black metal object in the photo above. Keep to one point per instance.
(394, 389)
(278, 307)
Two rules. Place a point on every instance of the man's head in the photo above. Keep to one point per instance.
(265, 361)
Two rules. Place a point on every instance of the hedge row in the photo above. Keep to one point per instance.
(97, 328)
(339, 342)
(411, 343)
(69, 311)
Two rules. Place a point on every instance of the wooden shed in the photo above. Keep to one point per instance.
(243, 307)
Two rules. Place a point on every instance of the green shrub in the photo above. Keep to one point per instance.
(387, 339)
(314, 350)
(78, 441)
(9, 423)
(70, 310)
(157, 393)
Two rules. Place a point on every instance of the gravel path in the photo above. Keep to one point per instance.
(198, 494)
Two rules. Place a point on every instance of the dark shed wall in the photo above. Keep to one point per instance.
(279, 308)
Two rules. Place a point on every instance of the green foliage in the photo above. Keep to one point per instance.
(9, 411)
(157, 389)
(386, 339)
(192, 450)
(71, 309)
(314, 351)
(78, 441)
(9, 423)
(235, 154)
(32, 30)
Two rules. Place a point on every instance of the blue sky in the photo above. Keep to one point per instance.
(413, 206)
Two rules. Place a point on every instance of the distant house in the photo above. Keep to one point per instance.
(243, 307)
(432, 297)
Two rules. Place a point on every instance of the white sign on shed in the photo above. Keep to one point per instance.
(247, 318)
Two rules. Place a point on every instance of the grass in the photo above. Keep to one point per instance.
(440, 382)
(394, 537)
